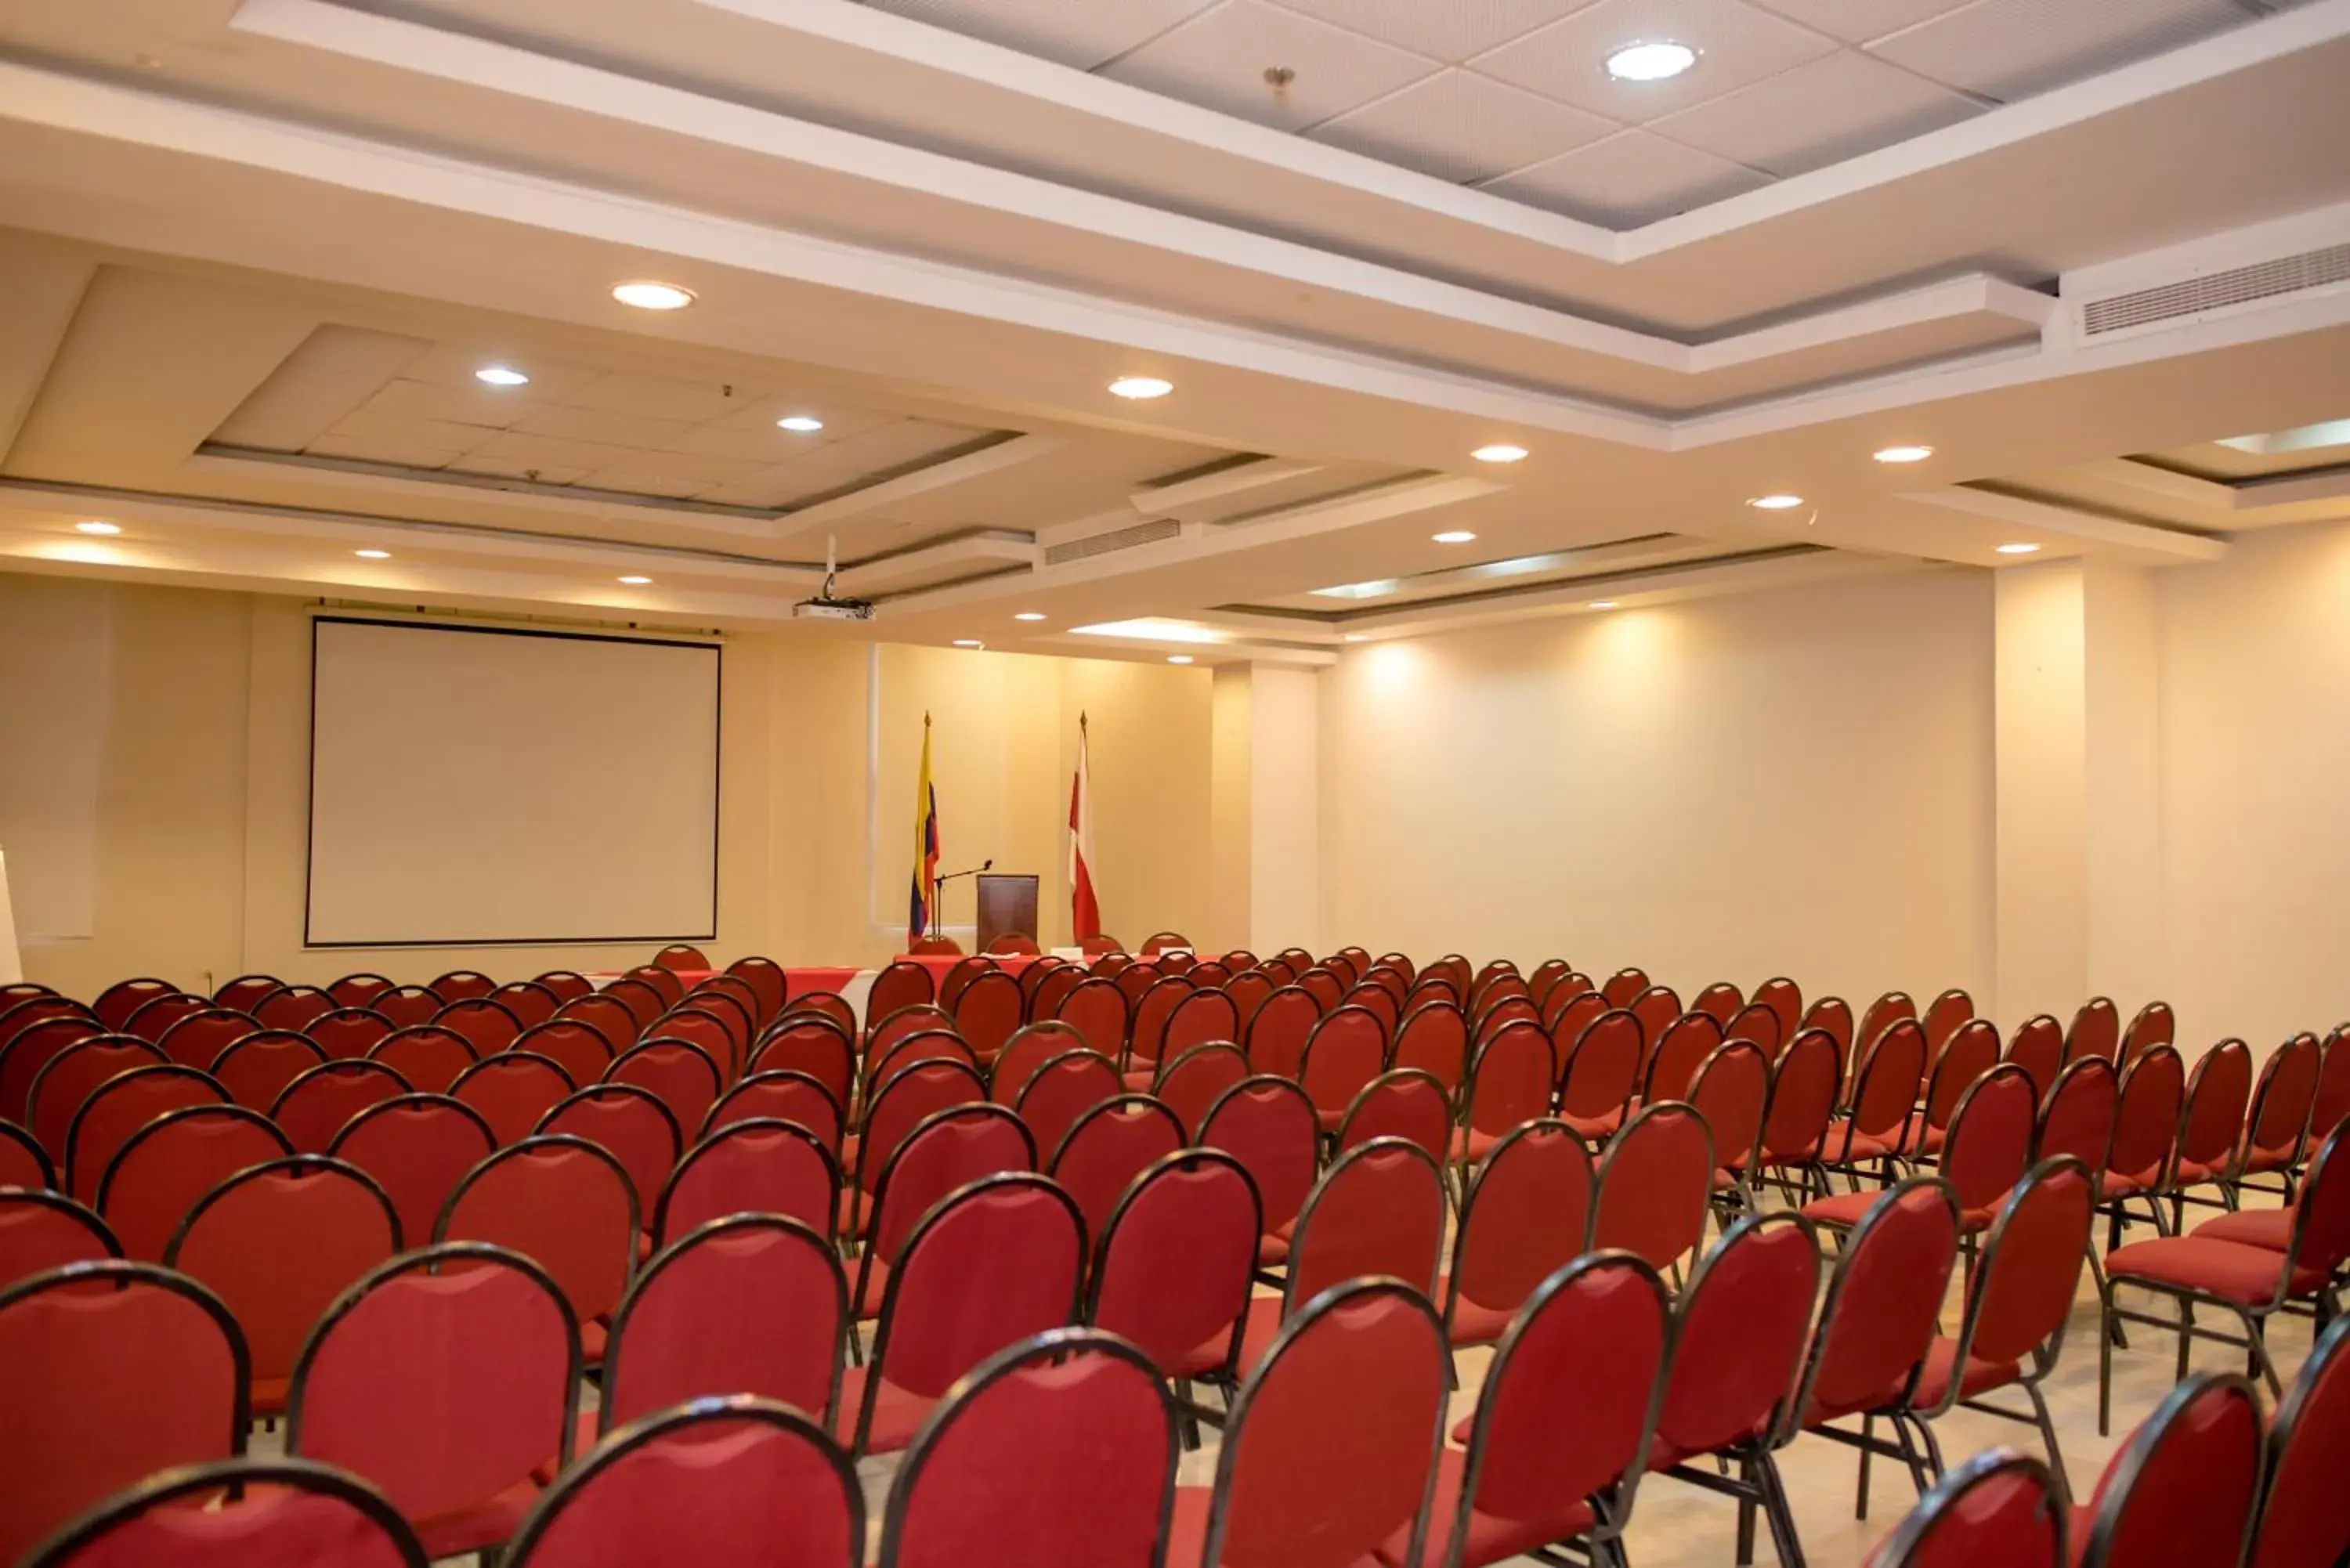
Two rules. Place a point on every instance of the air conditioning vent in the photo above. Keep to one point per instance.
(2213, 291)
(1116, 539)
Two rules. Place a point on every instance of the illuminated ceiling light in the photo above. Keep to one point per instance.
(646, 294)
(1352, 637)
(2304, 438)
(2018, 549)
(969, 642)
(1029, 615)
(1153, 629)
(799, 424)
(1454, 536)
(1359, 590)
(501, 375)
(1603, 604)
(1178, 659)
(1778, 503)
(372, 555)
(1500, 452)
(634, 581)
(1902, 453)
(1650, 62)
(1141, 387)
(98, 527)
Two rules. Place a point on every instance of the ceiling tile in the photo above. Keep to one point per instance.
(1629, 178)
(1457, 125)
(1736, 45)
(751, 431)
(471, 404)
(845, 464)
(506, 468)
(453, 364)
(367, 424)
(552, 451)
(2009, 49)
(1448, 30)
(1081, 35)
(336, 369)
(1219, 60)
(1858, 21)
(384, 448)
(1817, 114)
(601, 425)
(657, 398)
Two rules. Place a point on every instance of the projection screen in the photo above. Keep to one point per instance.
(480, 784)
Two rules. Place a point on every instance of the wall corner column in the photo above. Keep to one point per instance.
(1265, 809)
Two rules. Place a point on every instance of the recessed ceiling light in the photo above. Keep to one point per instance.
(646, 295)
(501, 375)
(1369, 591)
(2018, 549)
(1500, 452)
(1352, 637)
(1178, 659)
(1029, 615)
(969, 642)
(800, 423)
(372, 555)
(635, 582)
(1156, 628)
(1454, 536)
(1140, 387)
(97, 525)
(1603, 604)
(1778, 503)
(1903, 453)
(1650, 62)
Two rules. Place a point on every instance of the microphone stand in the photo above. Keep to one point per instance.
(939, 894)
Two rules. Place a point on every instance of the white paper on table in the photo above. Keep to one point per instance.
(12, 968)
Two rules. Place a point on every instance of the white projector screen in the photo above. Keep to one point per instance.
(477, 786)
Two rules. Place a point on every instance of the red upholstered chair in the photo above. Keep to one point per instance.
(1134, 979)
(718, 1028)
(427, 1055)
(1987, 1151)
(33, 1048)
(239, 1513)
(1655, 1185)
(1758, 1023)
(348, 1032)
(2038, 1048)
(1785, 998)
(1346, 1051)
(567, 1205)
(2154, 1024)
(1997, 1506)
(512, 1090)
(1686, 1043)
(644, 1001)
(278, 1243)
(161, 1170)
(575, 1045)
(2211, 1128)
(1624, 985)
(683, 955)
(1573, 1004)
(72, 1075)
(1328, 1450)
(1056, 1452)
(998, 1260)
(1560, 1438)
(449, 1377)
(1407, 1104)
(1379, 1001)
(153, 1020)
(1268, 1126)
(810, 1042)
(1731, 1089)
(2303, 1523)
(2097, 1030)
(1097, 1009)
(890, 1117)
(926, 1029)
(484, 1024)
(258, 1068)
(1278, 1029)
(608, 1015)
(1204, 1017)
(569, 984)
(417, 1147)
(1248, 989)
(1379, 1211)
(739, 1482)
(1189, 1084)
(293, 1007)
(358, 989)
(677, 1073)
(1434, 1038)
(1656, 1008)
(1064, 1089)
(22, 1161)
(1884, 1102)
(1045, 982)
(530, 1003)
(1025, 1051)
(1147, 1042)
(1834, 1013)
(103, 1386)
(780, 1095)
(1878, 1323)
(1942, 1019)
(40, 1230)
(1526, 1216)
(410, 1005)
(769, 985)
(460, 984)
(1970, 1052)
(2277, 1130)
(2077, 1116)
(824, 1003)
(959, 974)
(1110, 1145)
(2184, 1492)
(115, 1004)
(1893, 1007)
(1599, 1072)
(756, 1166)
(245, 990)
(748, 1304)
(1721, 1001)
(1509, 1084)
(1547, 976)
(1173, 1266)
(1497, 1011)
(119, 1109)
(948, 1149)
(2145, 1128)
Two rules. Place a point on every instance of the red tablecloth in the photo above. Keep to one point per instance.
(800, 982)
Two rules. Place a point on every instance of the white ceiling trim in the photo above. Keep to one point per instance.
(2172, 544)
(942, 475)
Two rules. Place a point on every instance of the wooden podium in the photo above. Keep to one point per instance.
(1007, 906)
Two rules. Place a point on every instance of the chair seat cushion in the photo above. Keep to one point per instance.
(1846, 1143)
(898, 1412)
(2228, 1270)
(485, 1524)
(1473, 1322)
(1922, 1139)
(1842, 1211)
(877, 1284)
(1187, 1529)
(2269, 1227)
(1492, 1538)
(1979, 1377)
(1602, 1126)
(2130, 1183)
(1140, 1080)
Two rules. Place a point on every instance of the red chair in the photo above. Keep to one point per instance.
(418, 1148)
(359, 989)
(683, 955)
(1998, 1507)
(1107, 1147)
(567, 1206)
(677, 1073)
(1509, 1085)
(104, 1387)
(1434, 1039)
(1406, 1104)
(449, 1377)
(1268, 1126)
(2303, 1523)
(1987, 1152)
(236, 1513)
(1203, 1018)
(1561, 1434)
(512, 1090)
(829, 1005)
(1329, 1447)
(891, 1117)
(644, 1001)
(1378, 1212)
(1057, 1449)
(749, 1303)
(758, 1166)
(263, 1064)
(161, 1170)
(1599, 1072)
(1971, 1051)
(2155, 1024)
(608, 1015)
(43, 1231)
(1656, 1008)
(2077, 1118)
(1134, 979)
(1623, 986)
(722, 1039)
(1496, 1011)
(23, 1162)
(1732, 1088)
(1278, 1029)
(1943, 1017)
(462, 984)
(780, 1095)
(1893, 1007)
(997, 1261)
(118, 1108)
(407, 1006)
(245, 990)
(278, 1243)
(1191, 1084)
(1064, 1089)
(151, 1022)
(1379, 1001)
(1346, 1051)
(32, 1049)
(1655, 1185)
(2184, 1492)
(1247, 990)
(813, 1044)
(348, 1032)
(293, 1007)
(909, 1049)
(1526, 1216)
(72, 1075)
(1834, 1014)
(1883, 1101)
(1147, 1042)
(1721, 1001)
(118, 1001)
(1685, 1044)
(767, 981)
(2038, 1048)
(2276, 1133)
(1045, 982)
(1028, 1050)
(1173, 1266)
(1097, 1009)
(2145, 1128)
(2097, 1030)
(739, 1482)
(530, 1003)
(428, 1056)
(569, 985)
(2210, 1128)
(1785, 998)
(948, 1149)
(1758, 1023)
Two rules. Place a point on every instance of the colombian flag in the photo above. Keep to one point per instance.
(925, 845)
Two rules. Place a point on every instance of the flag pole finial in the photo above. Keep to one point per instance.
(926, 718)
(1081, 718)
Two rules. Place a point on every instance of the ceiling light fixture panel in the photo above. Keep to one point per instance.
(646, 294)
(1778, 502)
(1139, 388)
(1902, 453)
(1650, 62)
(1500, 452)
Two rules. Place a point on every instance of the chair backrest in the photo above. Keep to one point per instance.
(1058, 1451)
(514, 1090)
(2281, 1102)
(1046, 981)
(1378, 1210)
(2097, 1030)
(486, 1025)
(278, 1243)
(959, 974)
(1602, 1065)
(530, 1003)
(245, 990)
(1571, 1006)
(2211, 1123)
(2303, 1523)
(758, 1166)
(418, 1148)
(1834, 1013)
(1655, 1182)
(2184, 1492)
(885, 1062)
(257, 1069)
(1346, 1051)
(1893, 1007)
(1879, 1319)
(408, 1005)
(293, 1007)
(739, 1482)
(2321, 1231)
(1379, 1001)
(1152, 1011)
(987, 1010)
(1434, 1038)
(608, 1015)
(1278, 1029)
(238, 1513)
(426, 1055)
(824, 1003)
(1110, 1145)
(1892, 1073)
(460, 984)
(747, 1303)
(1191, 1081)
(2038, 1048)
(72, 1075)
(560, 1201)
(22, 1161)
(115, 1004)
(678, 1072)
(161, 1169)
(810, 1042)
(1803, 1092)
(197, 1039)
(1656, 1008)
(40, 1230)
(1027, 1050)
(1136, 978)
(766, 979)
(1330, 1448)
(1942, 1018)
(446, 1378)
(900, 1107)
(1757, 1023)
(2154, 1024)
(2077, 1118)
(2146, 1120)
(1721, 1001)
(316, 1106)
(950, 1150)
(1174, 1262)
(1095, 1009)
(1683, 1046)
(157, 1016)
(1731, 1086)
(1970, 1052)
(1509, 1079)
(348, 1032)
(110, 1371)
(32, 1049)
(780, 1095)
(1997, 1506)
(2020, 1292)
(1990, 1143)
(1785, 998)
(1526, 1216)
(1406, 1103)
(1268, 1126)
(1064, 1089)
(718, 1026)
(1204, 1017)
(646, 992)
(1623, 986)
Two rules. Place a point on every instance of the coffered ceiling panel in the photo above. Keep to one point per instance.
(1081, 35)
(1221, 59)
(1858, 21)
(2009, 49)
(1631, 178)
(1736, 44)
(1819, 113)
(1458, 125)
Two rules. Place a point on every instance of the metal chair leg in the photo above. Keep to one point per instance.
(1782, 1518)
(2104, 1360)
(2256, 1333)
(2186, 1333)
(2048, 1435)
(1867, 1433)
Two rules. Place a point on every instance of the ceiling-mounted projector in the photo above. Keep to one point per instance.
(827, 605)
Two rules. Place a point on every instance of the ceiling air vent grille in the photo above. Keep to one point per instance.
(2216, 291)
(1125, 538)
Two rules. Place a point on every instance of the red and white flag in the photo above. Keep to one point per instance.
(1085, 909)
